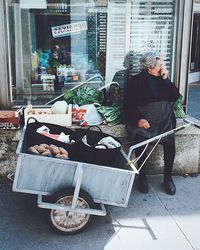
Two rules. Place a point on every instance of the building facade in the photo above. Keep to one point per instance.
(49, 46)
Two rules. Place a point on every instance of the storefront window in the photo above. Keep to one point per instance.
(57, 46)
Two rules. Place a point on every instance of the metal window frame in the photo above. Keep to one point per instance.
(5, 82)
(183, 47)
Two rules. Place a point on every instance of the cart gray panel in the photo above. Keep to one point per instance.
(109, 185)
(44, 175)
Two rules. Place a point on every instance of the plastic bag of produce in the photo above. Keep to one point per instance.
(87, 115)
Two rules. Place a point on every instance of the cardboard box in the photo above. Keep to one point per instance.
(44, 115)
(9, 119)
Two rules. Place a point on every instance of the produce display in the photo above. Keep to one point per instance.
(49, 150)
(86, 95)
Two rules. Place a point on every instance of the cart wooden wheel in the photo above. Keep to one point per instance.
(70, 222)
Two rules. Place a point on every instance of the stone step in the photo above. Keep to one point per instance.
(187, 159)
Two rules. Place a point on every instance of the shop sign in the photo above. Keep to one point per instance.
(68, 29)
(30, 4)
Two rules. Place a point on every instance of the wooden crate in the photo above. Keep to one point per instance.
(44, 115)
(9, 119)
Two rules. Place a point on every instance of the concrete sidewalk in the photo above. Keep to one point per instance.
(157, 221)
(153, 221)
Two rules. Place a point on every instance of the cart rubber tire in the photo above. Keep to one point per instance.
(69, 222)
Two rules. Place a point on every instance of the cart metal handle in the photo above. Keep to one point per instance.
(158, 137)
(130, 163)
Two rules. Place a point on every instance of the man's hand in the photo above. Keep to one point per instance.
(142, 123)
(164, 73)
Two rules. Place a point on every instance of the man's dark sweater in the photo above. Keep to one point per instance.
(143, 89)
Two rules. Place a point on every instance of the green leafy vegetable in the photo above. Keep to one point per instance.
(110, 114)
(83, 95)
(178, 108)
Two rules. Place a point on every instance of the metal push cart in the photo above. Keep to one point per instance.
(71, 191)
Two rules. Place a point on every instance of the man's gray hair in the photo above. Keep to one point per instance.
(148, 60)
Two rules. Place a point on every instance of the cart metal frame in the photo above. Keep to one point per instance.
(28, 165)
(31, 169)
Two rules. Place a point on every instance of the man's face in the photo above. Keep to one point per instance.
(157, 69)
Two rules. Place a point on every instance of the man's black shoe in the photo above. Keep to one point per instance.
(143, 185)
(170, 187)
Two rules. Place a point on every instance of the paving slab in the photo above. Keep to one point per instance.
(188, 220)
(153, 229)
(153, 220)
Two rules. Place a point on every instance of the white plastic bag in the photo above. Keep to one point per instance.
(91, 117)
(109, 142)
(43, 129)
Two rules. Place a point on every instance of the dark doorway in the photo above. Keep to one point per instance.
(195, 50)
